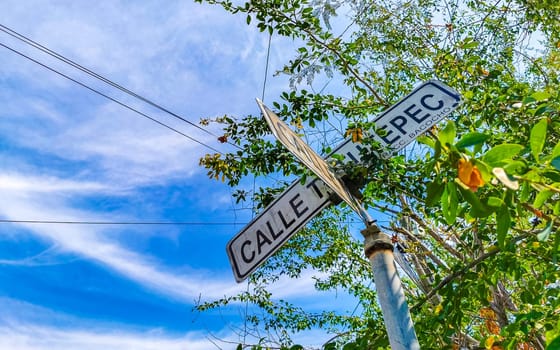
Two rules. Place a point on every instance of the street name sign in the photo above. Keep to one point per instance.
(281, 219)
(409, 118)
(300, 202)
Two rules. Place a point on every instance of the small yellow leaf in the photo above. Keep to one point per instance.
(356, 133)
(489, 342)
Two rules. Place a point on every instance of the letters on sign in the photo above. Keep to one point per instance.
(414, 115)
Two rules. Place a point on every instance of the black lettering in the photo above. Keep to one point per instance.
(295, 206)
(271, 231)
(354, 158)
(415, 113)
(286, 224)
(386, 137)
(243, 256)
(399, 126)
(430, 107)
(315, 187)
(261, 240)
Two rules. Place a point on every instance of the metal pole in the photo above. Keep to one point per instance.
(400, 329)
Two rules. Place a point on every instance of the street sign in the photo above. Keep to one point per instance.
(281, 219)
(300, 202)
(415, 114)
(307, 156)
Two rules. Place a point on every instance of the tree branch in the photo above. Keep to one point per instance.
(345, 63)
(434, 235)
(454, 275)
(412, 237)
(462, 271)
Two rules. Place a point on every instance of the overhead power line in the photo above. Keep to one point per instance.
(66, 60)
(110, 98)
(108, 81)
(58, 222)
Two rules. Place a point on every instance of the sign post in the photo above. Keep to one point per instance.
(402, 123)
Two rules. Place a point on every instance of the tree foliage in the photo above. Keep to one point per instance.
(475, 207)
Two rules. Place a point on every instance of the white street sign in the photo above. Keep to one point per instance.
(415, 114)
(299, 203)
(281, 219)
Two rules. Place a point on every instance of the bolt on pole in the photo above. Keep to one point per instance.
(400, 329)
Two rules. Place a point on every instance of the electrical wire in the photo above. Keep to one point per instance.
(110, 98)
(78, 66)
(266, 66)
(58, 222)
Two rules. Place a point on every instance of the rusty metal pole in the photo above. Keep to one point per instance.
(400, 329)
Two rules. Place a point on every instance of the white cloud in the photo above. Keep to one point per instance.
(196, 60)
(37, 337)
(26, 326)
(21, 199)
(90, 242)
(49, 184)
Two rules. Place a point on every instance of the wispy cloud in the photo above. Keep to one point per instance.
(49, 184)
(37, 337)
(90, 242)
(23, 196)
(26, 326)
(186, 285)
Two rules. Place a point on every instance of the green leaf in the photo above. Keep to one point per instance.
(515, 167)
(248, 19)
(449, 203)
(426, 140)
(503, 223)
(554, 344)
(540, 95)
(542, 109)
(545, 234)
(471, 139)
(447, 134)
(350, 346)
(556, 151)
(538, 136)
(478, 208)
(469, 43)
(542, 197)
(556, 163)
(556, 246)
(501, 153)
(434, 191)
(495, 202)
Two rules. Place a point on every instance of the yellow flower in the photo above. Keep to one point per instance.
(469, 174)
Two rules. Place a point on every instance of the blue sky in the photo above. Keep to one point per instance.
(67, 154)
